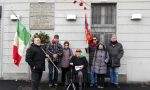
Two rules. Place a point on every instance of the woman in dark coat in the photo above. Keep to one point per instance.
(79, 65)
(100, 60)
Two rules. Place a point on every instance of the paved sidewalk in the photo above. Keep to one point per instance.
(23, 85)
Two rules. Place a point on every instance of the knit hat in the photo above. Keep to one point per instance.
(56, 36)
(54, 41)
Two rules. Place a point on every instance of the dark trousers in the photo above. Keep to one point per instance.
(101, 79)
(36, 78)
(53, 74)
(64, 71)
(78, 78)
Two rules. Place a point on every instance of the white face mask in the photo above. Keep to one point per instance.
(100, 47)
(37, 41)
(38, 44)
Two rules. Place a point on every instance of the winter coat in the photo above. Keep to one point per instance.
(67, 55)
(91, 50)
(115, 52)
(35, 57)
(100, 60)
(55, 49)
(77, 61)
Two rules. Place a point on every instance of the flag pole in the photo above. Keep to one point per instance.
(85, 34)
(50, 60)
(15, 14)
(17, 18)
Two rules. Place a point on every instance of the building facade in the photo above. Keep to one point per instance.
(128, 19)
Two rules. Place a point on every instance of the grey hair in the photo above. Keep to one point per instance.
(113, 35)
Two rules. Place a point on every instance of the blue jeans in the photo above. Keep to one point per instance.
(114, 75)
(53, 74)
(93, 76)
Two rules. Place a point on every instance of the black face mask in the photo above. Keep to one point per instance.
(114, 42)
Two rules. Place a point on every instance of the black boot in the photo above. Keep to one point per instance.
(65, 87)
(80, 87)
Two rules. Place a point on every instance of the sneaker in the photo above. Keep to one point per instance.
(91, 85)
(112, 85)
(117, 86)
(80, 88)
(95, 85)
(56, 84)
(50, 85)
(100, 87)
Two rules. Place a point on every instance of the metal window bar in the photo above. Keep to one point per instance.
(103, 21)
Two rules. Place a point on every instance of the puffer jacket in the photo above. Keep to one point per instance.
(35, 57)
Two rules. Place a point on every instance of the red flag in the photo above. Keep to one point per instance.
(88, 33)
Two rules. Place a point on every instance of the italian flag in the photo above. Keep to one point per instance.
(21, 40)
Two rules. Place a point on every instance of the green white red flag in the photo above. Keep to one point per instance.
(21, 40)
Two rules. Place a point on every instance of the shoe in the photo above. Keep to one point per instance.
(56, 84)
(100, 87)
(112, 85)
(80, 88)
(91, 85)
(65, 87)
(50, 85)
(95, 85)
(117, 86)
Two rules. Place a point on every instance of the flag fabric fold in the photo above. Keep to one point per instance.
(87, 31)
(21, 40)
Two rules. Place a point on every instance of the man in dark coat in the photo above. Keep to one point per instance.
(55, 51)
(116, 52)
(35, 57)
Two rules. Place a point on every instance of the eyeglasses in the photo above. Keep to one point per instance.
(94, 39)
(78, 51)
(66, 45)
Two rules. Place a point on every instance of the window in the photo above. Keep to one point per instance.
(103, 21)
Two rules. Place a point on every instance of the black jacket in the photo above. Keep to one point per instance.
(35, 57)
(115, 52)
(91, 50)
(77, 62)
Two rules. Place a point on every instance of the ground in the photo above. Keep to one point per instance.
(23, 85)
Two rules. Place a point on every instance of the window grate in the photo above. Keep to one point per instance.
(103, 21)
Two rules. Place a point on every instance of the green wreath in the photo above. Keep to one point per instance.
(45, 39)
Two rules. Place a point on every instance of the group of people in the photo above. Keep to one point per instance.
(75, 66)
(103, 58)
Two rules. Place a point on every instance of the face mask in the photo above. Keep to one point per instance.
(38, 44)
(100, 48)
